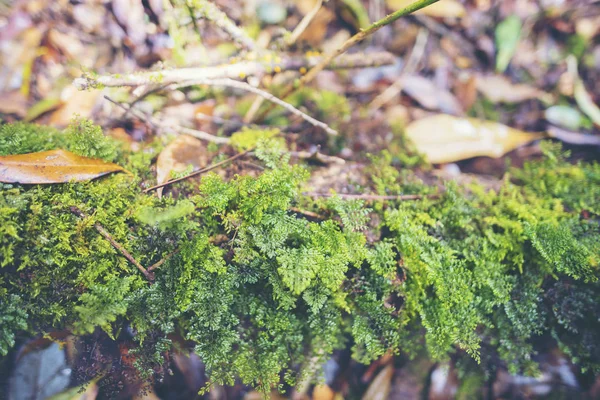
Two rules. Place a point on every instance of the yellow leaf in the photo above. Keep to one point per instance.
(381, 385)
(441, 9)
(53, 166)
(323, 392)
(178, 155)
(444, 138)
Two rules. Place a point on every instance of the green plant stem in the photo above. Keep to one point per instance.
(359, 37)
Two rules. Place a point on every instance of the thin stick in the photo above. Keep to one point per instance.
(304, 23)
(116, 245)
(211, 12)
(161, 262)
(369, 196)
(268, 96)
(238, 70)
(324, 158)
(201, 171)
(411, 66)
(307, 213)
(181, 129)
(359, 37)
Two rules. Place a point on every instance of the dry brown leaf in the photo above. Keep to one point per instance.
(74, 102)
(13, 103)
(178, 155)
(69, 45)
(499, 89)
(381, 385)
(465, 90)
(323, 392)
(53, 166)
(441, 9)
(444, 138)
(431, 96)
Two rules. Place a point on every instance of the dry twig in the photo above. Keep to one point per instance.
(304, 24)
(267, 65)
(401, 197)
(201, 171)
(359, 37)
(113, 242)
(411, 65)
(268, 96)
(179, 129)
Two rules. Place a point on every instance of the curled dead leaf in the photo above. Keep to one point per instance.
(431, 96)
(444, 138)
(178, 155)
(499, 89)
(381, 386)
(53, 166)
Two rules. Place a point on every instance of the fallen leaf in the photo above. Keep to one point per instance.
(508, 33)
(359, 11)
(53, 166)
(444, 138)
(441, 9)
(75, 101)
(582, 97)
(564, 116)
(465, 90)
(42, 107)
(40, 374)
(69, 45)
(499, 89)
(13, 103)
(323, 392)
(431, 96)
(380, 388)
(178, 155)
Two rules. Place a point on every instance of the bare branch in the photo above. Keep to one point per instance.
(176, 129)
(268, 96)
(359, 37)
(304, 23)
(211, 12)
(267, 65)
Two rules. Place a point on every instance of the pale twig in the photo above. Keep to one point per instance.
(201, 171)
(211, 12)
(367, 196)
(114, 243)
(233, 71)
(410, 67)
(304, 24)
(324, 158)
(179, 129)
(359, 37)
(268, 96)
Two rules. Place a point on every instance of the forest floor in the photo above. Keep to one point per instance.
(531, 65)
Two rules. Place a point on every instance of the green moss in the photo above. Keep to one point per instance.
(259, 290)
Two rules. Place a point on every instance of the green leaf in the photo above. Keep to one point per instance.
(508, 33)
